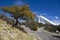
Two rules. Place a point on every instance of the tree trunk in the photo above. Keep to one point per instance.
(16, 22)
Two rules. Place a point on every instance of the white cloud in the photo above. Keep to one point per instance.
(36, 12)
(57, 22)
(40, 13)
(19, 2)
(56, 17)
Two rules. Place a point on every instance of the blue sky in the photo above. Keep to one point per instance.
(48, 8)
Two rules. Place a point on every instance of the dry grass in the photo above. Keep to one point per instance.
(9, 33)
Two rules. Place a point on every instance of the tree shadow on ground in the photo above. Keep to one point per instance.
(56, 36)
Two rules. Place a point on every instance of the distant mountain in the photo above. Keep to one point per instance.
(44, 19)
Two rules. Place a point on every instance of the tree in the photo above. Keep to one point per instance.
(19, 12)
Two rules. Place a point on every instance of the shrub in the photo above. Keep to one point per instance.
(58, 28)
(34, 28)
(51, 28)
(7, 19)
(40, 25)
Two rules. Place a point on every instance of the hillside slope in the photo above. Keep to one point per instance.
(9, 33)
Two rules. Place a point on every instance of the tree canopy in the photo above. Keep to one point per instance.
(19, 12)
